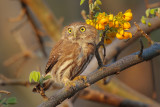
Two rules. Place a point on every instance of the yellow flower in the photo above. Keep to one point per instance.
(100, 27)
(107, 41)
(127, 35)
(111, 24)
(119, 36)
(121, 32)
(128, 15)
(90, 22)
(110, 16)
(116, 24)
(103, 21)
(101, 15)
(126, 25)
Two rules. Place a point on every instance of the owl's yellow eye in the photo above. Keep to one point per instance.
(82, 29)
(69, 30)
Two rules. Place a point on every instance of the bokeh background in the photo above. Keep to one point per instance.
(18, 36)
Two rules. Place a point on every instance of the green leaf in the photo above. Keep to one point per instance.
(82, 1)
(152, 11)
(47, 77)
(97, 8)
(35, 76)
(143, 20)
(149, 24)
(99, 2)
(96, 14)
(30, 77)
(41, 81)
(147, 12)
(2, 101)
(11, 100)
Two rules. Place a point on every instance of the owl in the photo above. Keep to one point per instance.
(71, 54)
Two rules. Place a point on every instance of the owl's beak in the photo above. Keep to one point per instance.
(75, 34)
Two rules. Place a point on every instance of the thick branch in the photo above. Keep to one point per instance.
(114, 68)
(107, 98)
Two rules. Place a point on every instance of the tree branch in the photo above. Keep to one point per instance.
(95, 76)
(49, 21)
(4, 91)
(16, 82)
(119, 45)
(108, 98)
(117, 87)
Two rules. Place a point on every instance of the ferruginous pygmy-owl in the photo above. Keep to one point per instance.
(71, 54)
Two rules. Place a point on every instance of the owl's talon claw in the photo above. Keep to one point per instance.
(82, 77)
(69, 84)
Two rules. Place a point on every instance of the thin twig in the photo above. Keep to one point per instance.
(19, 17)
(157, 4)
(2, 77)
(4, 91)
(31, 21)
(101, 43)
(90, 2)
(83, 13)
(146, 3)
(48, 21)
(144, 34)
(15, 58)
(141, 50)
(16, 82)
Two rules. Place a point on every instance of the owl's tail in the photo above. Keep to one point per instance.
(45, 86)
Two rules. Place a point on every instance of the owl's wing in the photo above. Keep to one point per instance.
(54, 55)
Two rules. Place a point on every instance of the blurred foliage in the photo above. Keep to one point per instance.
(7, 101)
(150, 13)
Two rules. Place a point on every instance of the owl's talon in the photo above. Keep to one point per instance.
(69, 84)
(82, 77)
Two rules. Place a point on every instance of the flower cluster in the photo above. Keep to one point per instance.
(116, 26)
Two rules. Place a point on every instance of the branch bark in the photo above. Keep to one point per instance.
(95, 76)
(107, 98)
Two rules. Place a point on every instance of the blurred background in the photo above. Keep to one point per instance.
(22, 51)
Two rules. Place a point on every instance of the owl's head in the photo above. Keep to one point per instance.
(79, 31)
